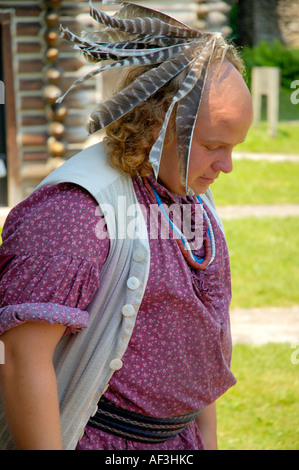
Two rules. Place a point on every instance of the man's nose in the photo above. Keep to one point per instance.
(225, 162)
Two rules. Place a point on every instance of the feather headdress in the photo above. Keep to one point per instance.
(138, 36)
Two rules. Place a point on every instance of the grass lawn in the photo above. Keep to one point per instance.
(288, 111)
(261, 412)
(264, 266)
(286, 140)
(259, 140)
(258, 182)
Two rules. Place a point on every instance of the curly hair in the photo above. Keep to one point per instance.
(131, 137)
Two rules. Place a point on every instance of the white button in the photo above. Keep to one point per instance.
(128, 310)
(116, 364)
(133, 283)
(139, 255)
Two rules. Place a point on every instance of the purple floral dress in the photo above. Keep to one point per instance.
(178, 358)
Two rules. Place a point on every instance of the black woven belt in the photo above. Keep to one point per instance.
(115, 420)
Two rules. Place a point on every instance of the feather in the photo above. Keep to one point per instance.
(145, 41)
(187, 86)
(113, 51)
(146, 59)
(161, 41)
(110, 35)
(84, 45)
(187, 112)
(125, 50)
(140, 25)
(138, 91)
(132, 10)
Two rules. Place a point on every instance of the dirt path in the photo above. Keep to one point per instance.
(265, 325)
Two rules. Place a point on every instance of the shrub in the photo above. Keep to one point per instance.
(273, 54)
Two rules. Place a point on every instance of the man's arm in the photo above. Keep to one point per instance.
(207, 423)
(28, 386)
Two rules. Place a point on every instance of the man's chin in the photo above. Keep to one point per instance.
(200, 188)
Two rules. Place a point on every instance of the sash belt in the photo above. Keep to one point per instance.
(115, 420)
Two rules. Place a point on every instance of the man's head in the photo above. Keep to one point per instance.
(223, 120)
(170, 66)
(225, 114)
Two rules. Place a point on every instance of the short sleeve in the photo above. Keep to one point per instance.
(51, 258)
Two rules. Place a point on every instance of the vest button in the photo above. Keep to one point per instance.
(133, 283)
(116, 364)
(139, 255)
(128, 310)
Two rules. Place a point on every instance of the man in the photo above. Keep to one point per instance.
(165, 367)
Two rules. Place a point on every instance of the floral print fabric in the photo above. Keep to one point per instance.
(50, 254)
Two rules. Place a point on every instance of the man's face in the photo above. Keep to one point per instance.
(224, 118)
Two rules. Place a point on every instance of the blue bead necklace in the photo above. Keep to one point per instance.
(209, 242)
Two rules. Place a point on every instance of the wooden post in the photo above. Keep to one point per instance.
(265, 81)
(15, 194)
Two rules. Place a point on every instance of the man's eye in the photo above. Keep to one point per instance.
(211, 149)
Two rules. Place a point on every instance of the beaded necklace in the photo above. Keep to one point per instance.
(209, 242)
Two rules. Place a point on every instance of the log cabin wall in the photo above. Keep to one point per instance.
(46, 134)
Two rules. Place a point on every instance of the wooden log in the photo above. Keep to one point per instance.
(51, 93)
(56, 129)
(26, 10)
(56, 147)
(51, 19)
(52, 54)
(57, 112)
(30, 65)
(28, 29)
(32, 102)
(76, 134)
(53, 74)
(76, 119)
(51, 37)
(30, 84)
(32, 121)
(31, 139)
(31, 47)
(31, 156)
(71, 64)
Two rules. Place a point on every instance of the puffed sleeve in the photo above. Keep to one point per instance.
(51, 258)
